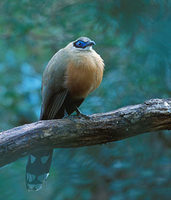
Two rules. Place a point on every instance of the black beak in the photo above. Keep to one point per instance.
(90, 43)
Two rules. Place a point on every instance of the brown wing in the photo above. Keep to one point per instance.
(53, 91)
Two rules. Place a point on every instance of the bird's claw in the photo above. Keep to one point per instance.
(81, 115)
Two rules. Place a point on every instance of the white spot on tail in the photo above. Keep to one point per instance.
(30, 177)
(32, 159)
(44, 159)
(34, 187)
(43, 177)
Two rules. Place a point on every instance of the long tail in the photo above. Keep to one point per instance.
(38, 165)
(37, 169)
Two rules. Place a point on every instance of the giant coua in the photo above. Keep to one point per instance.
(71, 74)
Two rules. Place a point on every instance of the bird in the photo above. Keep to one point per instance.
(69, 77)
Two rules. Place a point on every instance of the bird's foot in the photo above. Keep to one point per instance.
(81, 115)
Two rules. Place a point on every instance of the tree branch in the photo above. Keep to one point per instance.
(129, 121)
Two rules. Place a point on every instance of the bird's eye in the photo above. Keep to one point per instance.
(79, 44)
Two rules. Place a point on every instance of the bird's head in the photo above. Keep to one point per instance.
(82, 44)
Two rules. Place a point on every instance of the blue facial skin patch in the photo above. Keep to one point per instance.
(80, 44)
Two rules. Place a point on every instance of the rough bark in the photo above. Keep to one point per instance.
(129, 121)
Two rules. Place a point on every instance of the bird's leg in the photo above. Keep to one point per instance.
(65, 114)
(80, 114)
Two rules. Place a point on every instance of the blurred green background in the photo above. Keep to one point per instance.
(134, 39)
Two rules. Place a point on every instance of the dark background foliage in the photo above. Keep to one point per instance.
(134, 39)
